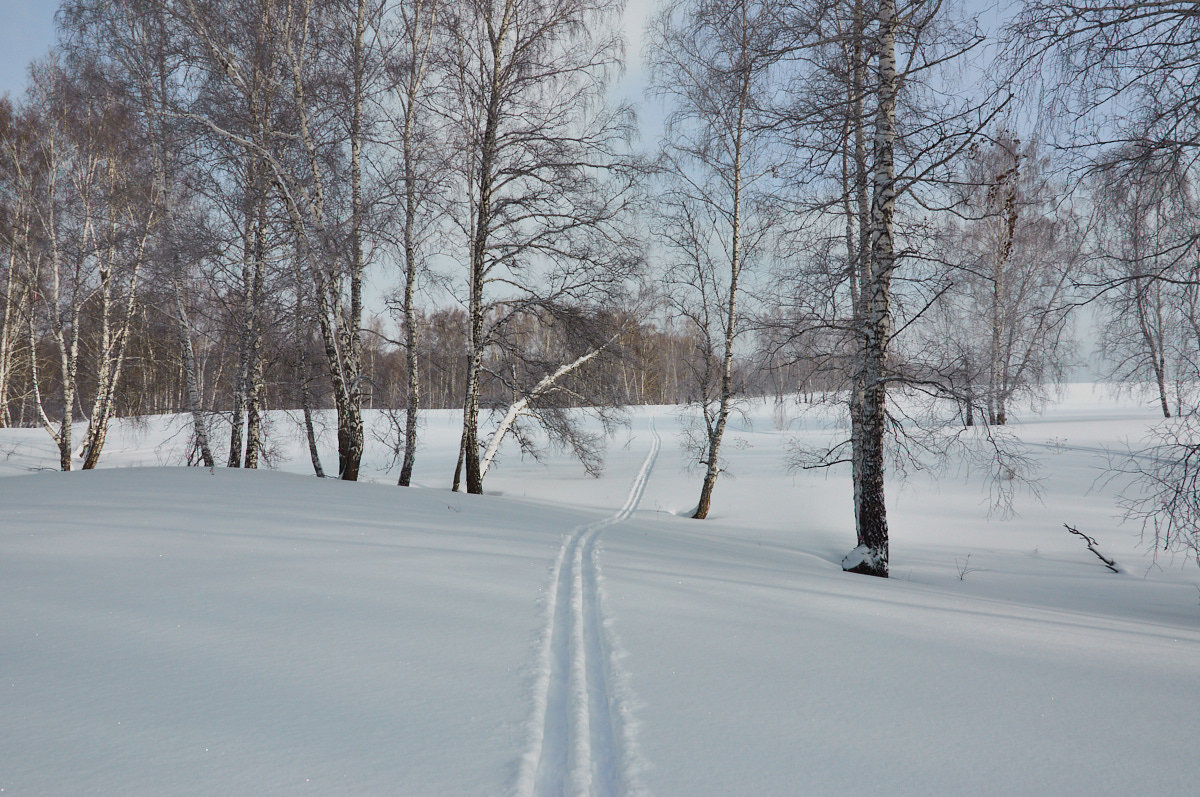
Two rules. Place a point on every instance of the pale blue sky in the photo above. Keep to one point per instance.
(26, 33)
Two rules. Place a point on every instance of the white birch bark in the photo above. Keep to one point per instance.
(519, 407)
(871, 555)
(419, 20)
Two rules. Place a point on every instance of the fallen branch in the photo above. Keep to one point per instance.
(1091, 545)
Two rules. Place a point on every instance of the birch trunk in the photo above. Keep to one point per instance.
(304, 374)
(350, 426)
(1151, 333)
(469, 450)
(237, 419)
(858, 251)
(253, 393)
(65, 320)
(113, 341)
(109, 375)
(419, 39)
(412, 361)
(717, 429)
(497, 32)
(191, 383)
(871, 555)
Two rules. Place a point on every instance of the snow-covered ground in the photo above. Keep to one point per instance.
(173, 631)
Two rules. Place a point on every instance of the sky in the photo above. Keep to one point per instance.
(26, 33)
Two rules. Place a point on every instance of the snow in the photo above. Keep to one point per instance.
(171, 631)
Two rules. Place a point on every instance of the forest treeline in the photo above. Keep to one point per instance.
(226, 207)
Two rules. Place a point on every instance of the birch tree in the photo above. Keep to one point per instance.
(1144, 205)
(19, 174)
(1016, 253)
(416, 27)
(713, 60)
(130, 41)
(94, 214)
(57, 275)
(298, 162)
(875, 137)
(130, 217)
(59, 270)
(1122, 77)
(547, 403)
(538, 158)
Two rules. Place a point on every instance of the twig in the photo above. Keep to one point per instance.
(1091, 544)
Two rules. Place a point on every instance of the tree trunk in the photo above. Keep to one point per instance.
(254, 414)
(313, 454)
(414, 387)
(350, 425)
(479, 250)
(191, 383)
(717, 430)
(410, 278)
(253, 393)
(469, 454)
(113, 343)
(860, 254)
(871, 555)
(458, 466)
(303, 372)
(1154, 347)
(519, 405)
(107, 387)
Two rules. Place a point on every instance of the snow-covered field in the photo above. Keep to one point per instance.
(169, 631)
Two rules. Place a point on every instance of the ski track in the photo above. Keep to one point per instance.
(1108, 453)
(579, 735)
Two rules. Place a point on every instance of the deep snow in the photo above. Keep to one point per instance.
(170, 631)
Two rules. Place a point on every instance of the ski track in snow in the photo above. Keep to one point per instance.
(579, 732)
(1111, 454)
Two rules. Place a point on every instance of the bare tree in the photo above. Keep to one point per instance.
(130, 216)
(1111, 73)
(1165, 495)
(287, 60)
(548, 401)
(58, 277)
(1015, 251)
(18, 238)
(142, 59)
(538, 168)
(1121, 79)
(96, 216)
(713, 60)
(411, 62)
(1144, 205)
(876, 137)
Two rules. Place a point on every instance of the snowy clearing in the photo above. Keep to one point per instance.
(169, 631)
